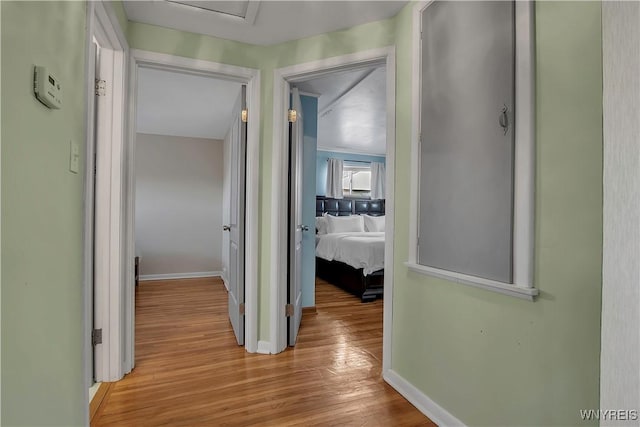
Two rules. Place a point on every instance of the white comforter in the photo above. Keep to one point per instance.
(359, 250)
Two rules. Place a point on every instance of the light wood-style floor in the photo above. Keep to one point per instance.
(190, 372)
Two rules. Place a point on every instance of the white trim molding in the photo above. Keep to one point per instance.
(102, 301)
(282, 78)
(264, 347)
(478, 282)
(421, 401)
(171, 276)
(250, 77)
(524, 162)
(103, 293)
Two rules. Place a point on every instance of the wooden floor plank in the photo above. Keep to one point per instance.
(190, 372)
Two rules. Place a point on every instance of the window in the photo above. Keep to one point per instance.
(473, 170)
(356, 180)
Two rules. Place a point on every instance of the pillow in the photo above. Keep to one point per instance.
(345, 224)
(321, 224)
(373, 223)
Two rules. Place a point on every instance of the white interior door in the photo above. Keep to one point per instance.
(296, 227)
(235, 228)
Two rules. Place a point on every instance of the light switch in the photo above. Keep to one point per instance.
(74, 156)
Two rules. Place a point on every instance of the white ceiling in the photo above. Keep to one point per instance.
(264, 22)
(351, 110)
(187, 105)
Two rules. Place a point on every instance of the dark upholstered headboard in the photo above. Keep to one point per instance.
(342, 207)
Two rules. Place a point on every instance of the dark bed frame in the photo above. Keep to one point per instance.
(367, 288)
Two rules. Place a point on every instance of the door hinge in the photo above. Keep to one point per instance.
(241, 309)
(292, 116)
(96, 337)
(245, 115)
(288, 310)
(101, 87)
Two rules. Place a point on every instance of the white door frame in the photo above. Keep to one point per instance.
(250, 77)
(102, 24)
(281, 78)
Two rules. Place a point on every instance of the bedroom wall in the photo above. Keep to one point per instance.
(310, 130)
(321, 166)
(487, 358)
(42, 217)
(178, 224)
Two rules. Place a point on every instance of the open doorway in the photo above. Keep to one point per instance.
(346, 100)
(190, 163)
(340, 118)
(115, 287)
(189, 192)
(349, 170)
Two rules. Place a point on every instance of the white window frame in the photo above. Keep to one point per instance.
(524, 162)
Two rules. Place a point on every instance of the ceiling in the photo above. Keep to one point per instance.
(185, 105)
(352, 115)
(351, 110)
(260, 22)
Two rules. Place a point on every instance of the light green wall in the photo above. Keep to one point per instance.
(118, 9)
(491, 359)
(265, 58)
(191, 45)
(42, 217)
(487, 358)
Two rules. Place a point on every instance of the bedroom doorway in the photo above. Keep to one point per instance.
(190, 183)
(188, 100)
(118, 296)
(355, 72)
(347, 190)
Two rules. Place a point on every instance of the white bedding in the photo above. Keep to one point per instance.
(359, 250)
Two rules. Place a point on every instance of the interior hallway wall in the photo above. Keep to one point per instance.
(179, 203)
(42, 217)
(491, 359)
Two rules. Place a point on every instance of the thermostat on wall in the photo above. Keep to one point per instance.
(47, 88)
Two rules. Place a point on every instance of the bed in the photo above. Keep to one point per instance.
(353, 261)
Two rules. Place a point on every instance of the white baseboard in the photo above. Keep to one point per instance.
(224, 280)
(194, 275)
(264, 347)
(421, 401)
(93, 390)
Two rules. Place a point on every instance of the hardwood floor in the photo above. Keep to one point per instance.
(190, 372)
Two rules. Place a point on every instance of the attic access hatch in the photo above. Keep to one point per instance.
(244, 9)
